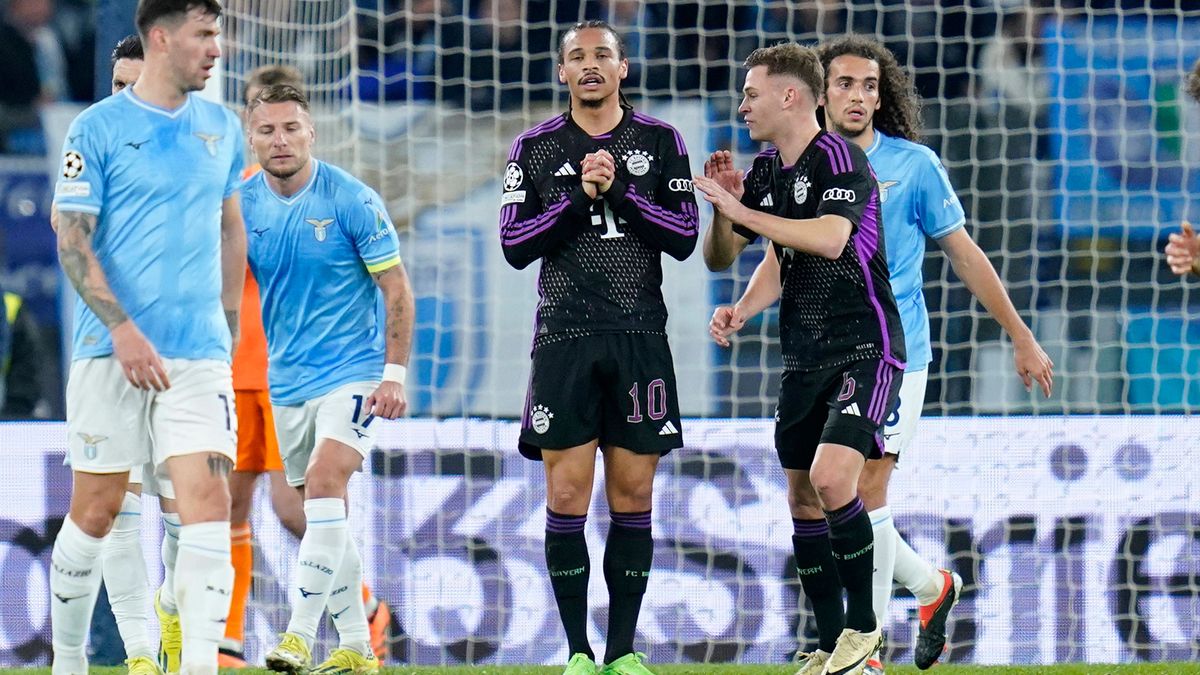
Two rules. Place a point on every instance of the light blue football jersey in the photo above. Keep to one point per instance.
(917, 200)
(155, 179)
(313, 255)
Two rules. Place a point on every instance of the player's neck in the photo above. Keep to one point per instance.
(794, 139)
(864, 139)
(286, 187)
(597, 121)
(155, 86)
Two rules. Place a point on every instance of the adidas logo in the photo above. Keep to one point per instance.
(767, 201)
(565, 170)
(852, 409)
(668, 429)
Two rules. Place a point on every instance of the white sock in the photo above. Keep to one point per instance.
(885, 562)
(74, 584)
(170, 552)
(125, 577)
(345, 602)
(321, 552)
(203, 589)
(921, 579)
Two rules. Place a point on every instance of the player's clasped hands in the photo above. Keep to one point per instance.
(725, 321)
(388, 400)
(1183, 249)
(598, 169)
(139, 359)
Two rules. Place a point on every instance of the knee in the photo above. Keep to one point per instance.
(321, 483)
(567, 497)
(96, 518)
(804, 504)
(832, 488)
(632, 498)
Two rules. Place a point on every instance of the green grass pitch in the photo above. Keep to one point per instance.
(725, 669)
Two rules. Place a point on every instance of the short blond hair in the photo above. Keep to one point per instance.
(789, 58)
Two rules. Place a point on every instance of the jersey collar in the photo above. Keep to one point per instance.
(128, 91)
(875, 143)
(304, 190)
(626, 115)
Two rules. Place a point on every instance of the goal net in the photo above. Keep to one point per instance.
(1067, 134)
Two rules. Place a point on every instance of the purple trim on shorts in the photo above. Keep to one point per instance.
(845, 514)
(879, 398)
(558, 523)
(637, 521)
(810, 528)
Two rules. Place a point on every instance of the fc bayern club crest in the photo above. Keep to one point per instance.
(800, 191)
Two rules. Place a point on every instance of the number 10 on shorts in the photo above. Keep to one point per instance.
(656, 401)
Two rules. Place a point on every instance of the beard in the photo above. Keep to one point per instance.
(593, 102)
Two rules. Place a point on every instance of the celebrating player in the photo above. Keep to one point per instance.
(150, 378)
(870, 101)
(813, 195)
(320, 244)
(598, 193)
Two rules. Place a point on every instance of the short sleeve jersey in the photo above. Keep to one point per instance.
(917, 201)
(601, 259)
(155, 179)
(313, 254)
(832, 312)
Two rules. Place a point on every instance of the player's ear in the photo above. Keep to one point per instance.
(562, 76)
(624, 70)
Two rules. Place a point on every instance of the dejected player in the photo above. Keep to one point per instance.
(598, 194)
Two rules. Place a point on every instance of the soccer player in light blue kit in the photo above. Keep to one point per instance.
(870, 100)
(150, 234)
(322, 249)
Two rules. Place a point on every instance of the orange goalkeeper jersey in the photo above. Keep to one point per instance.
(250, 359)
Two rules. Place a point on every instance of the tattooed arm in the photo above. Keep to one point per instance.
(233, 264)
(389, 399)
(137, 356)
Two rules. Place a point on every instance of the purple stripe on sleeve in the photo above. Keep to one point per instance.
(552, 124)
(835, 158)
(844, 150)
(684, 223)
(518, 232)
(646, 119)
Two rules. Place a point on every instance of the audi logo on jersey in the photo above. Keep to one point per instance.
(680, 185)
(838, 195)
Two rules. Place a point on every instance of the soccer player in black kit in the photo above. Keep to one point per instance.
(814, 196)
(598, 193)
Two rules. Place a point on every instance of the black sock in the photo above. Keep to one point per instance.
(854, 549)
(819, 578)
(569, 567)
(628, 555)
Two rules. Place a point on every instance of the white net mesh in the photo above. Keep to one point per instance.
(1067, 136)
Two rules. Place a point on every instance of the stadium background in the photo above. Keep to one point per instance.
(1066, 132)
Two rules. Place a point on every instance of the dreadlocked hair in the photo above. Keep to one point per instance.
(899, 111)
